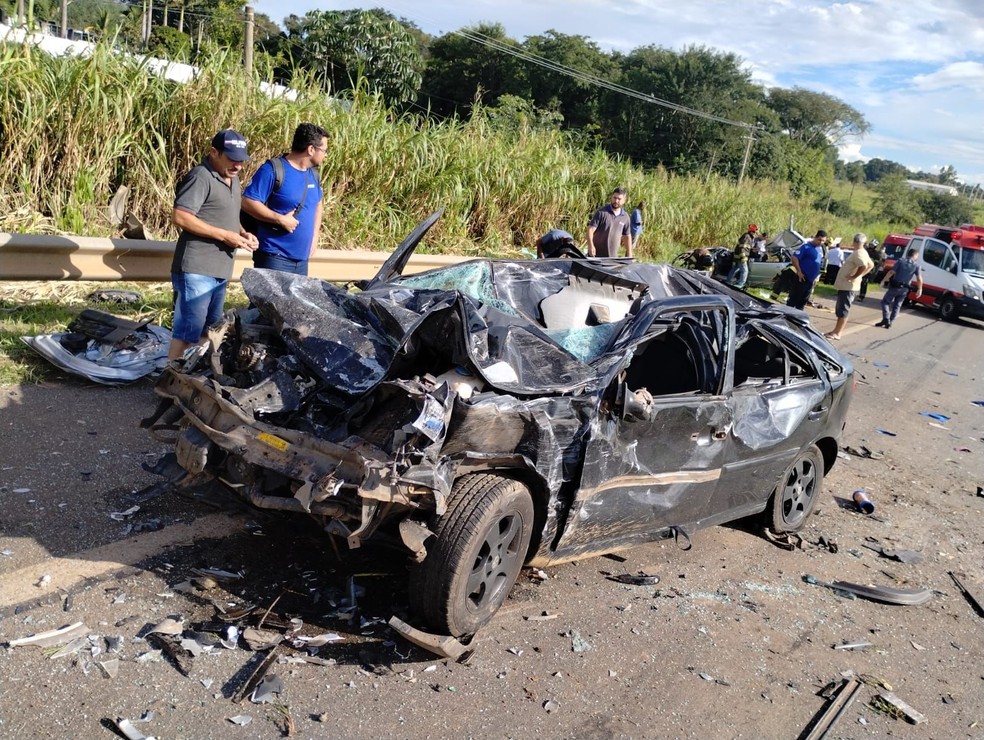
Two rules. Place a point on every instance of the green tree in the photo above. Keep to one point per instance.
(344, 46)
(854, 172)
(169, 43)
(896, 202)
(947, 176)
(941, 208)
(699, 78)
(816, 119)
(577, 100)
(470, 65)
(875, 169)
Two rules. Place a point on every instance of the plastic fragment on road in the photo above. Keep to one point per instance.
(578, 643)
(891, 704)
(110, 668)
(951, 373)
(885, 594)
(938, 417)
(975, 603)
(861, 645)
(319, 640)
(445, 646)
(240, 719)
(59, 636)
(886, 432)
(550, 706)
(130, 732)
(267, 690)
(882, 365)
(865, 505)
(168, 626)
(636, 579)
(976, 403)
(119, 516)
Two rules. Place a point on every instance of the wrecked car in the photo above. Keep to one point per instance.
(498, 413)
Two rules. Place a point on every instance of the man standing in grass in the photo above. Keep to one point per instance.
(608, 226)
(285, 198)
(206, 209)
(857, 264)
(806, 261)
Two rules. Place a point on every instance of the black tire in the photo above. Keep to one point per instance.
(473, 561)
(948, 309)
(797, 493)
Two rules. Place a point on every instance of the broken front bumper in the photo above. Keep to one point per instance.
(353, 481)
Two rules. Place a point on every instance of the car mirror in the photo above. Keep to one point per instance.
(636, 405)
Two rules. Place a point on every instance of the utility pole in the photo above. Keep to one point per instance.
(248, 43)
(64, 19)
(748, 154)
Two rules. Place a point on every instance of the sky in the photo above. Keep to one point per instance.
(913, 68)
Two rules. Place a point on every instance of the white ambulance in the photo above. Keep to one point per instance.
(952, 261)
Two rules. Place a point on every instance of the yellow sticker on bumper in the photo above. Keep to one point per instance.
(276, 442)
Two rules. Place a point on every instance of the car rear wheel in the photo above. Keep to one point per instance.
(948, 309)
(796, 495)
(479, 547)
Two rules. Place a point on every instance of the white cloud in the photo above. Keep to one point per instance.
(966, 75)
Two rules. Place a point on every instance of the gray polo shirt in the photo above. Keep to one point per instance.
(609, 229)
(204, 193)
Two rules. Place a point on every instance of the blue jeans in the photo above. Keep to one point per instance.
(269, 261)
(198, 303)
(739, 274)
(891, 303)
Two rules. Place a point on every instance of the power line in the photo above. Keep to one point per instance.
(591, 79)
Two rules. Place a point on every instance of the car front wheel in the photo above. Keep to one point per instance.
(948, 309)
(796, 495)
(479, 547)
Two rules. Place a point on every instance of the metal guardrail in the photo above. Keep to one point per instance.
(44, 257)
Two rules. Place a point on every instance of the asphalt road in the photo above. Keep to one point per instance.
(731, 643)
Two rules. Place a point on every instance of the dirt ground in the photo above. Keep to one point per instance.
(731, 643)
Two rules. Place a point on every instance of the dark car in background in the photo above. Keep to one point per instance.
(498, 413)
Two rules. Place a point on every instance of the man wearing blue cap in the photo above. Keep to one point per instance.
(206, 210)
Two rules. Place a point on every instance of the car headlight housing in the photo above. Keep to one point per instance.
(971, 292)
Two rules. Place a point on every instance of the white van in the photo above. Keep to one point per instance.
(953, 273)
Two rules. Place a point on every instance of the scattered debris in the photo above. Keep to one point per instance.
(71, 648)
(886, 594)
(110, 668)
(130, 732)
(121, 297)
(863, 451)
(267, 690)
(976, 603)
(785, 540)
(886, 433)
(44, 581)
(119, 516)
(551, 706)
(916, 645)
(578, 643)
(442, 645)
(938, 417)
(51, 638)
(852, 645)
(903, 556)
(318, 640)
(173, 625)
(828, 545)
(637, 579)
(257, 676)
(257, 639)
(537, 574)
(835, 709)
(891, 704)
(218, 574)
(542, 617)
(865, 505)
(240, 719)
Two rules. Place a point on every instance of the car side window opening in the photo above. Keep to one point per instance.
(761, 361)
(935, 254)
(686, 358)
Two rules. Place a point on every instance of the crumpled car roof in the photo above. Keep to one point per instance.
(528, 327)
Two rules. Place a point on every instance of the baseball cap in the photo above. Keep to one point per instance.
(753, 227)
(232, 144)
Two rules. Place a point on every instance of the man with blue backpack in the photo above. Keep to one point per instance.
(285, 201)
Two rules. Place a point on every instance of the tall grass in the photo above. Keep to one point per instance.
(72, 131)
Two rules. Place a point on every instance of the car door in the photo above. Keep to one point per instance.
(654, 460)
(782, 401)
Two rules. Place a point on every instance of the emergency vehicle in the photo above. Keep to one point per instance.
(952, 261)
(895, 246)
